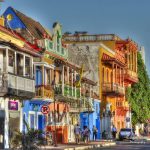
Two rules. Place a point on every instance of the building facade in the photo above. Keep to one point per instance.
(17, 82)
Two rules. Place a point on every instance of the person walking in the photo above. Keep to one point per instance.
(86, 134)
(94, 133)
(114, 132)
(77, 132)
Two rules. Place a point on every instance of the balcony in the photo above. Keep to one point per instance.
(131, 76)
(68, 91)
(44, 91)
(13, 85)
(113, 89)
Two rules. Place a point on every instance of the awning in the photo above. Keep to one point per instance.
(41, 102)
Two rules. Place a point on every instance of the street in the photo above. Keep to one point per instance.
(138, 145)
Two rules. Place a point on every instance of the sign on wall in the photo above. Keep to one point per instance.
(45, 109)
(13, 105)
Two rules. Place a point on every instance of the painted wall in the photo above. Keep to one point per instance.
(94, 119)
(15, 22)
(33, 116)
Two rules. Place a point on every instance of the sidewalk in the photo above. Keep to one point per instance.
(147, 138)
(81, 146)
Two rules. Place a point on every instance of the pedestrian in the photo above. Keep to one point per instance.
(77, 132)
(94, 133)
(114, 132)
(86, 134)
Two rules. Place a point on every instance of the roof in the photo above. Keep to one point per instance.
(26, 48)
(34, 27)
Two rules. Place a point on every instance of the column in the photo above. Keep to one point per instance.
(90, 90)
(136, 62)
(120, 75)
(6, 127)
(67, 75)
(72, 81)
(132, 60)
(15, 63)
(6, 60)
(63, 68)
(113, 73)
(23, 65)
(21, 116)
(123, 77)
(43, 75)
(116, 75)
(43, 79)
(75, 80)
(31, 67)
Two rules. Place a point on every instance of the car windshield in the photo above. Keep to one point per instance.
(128, 130)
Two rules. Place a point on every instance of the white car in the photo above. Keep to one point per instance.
(126, 133)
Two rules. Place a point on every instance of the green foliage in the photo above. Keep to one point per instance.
(138, 95)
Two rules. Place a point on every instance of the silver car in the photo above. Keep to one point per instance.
(126, 133)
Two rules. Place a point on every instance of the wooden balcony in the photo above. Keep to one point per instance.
(130, 76)
(112, 89)
(44, 91)
(16, 86)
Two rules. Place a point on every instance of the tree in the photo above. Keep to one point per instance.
(138, 94)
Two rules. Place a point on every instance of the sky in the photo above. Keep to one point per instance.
(125, 18)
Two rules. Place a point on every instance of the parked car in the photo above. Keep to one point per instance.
(126, 133)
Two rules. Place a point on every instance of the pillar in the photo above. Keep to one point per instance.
(31, 67)
(43, 79)
(67, 75)
(23, 65)
(136, 62)
(72, 81)
(113, 79)
(6, 60)
(62, 79)
(120, 75)
(15, 63)
(6, 127)
(75, 80)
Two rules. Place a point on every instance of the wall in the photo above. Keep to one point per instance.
(33, 108)
(15, 22)
(86, 54)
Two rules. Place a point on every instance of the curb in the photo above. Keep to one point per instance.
(91, 146)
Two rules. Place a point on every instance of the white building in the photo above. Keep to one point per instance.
(16, 83)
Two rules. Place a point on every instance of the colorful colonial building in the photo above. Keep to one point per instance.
(117, 69)
(16, 81)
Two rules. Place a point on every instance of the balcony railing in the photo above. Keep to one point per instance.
(131, 76)
(100, 37)
(69, 91)
(113, 89)
(44, 91)
(14, 85)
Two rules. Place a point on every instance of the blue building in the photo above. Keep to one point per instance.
(33, 116)
(94, 119)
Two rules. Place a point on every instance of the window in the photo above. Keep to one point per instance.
(10, 59)
(27, 66)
